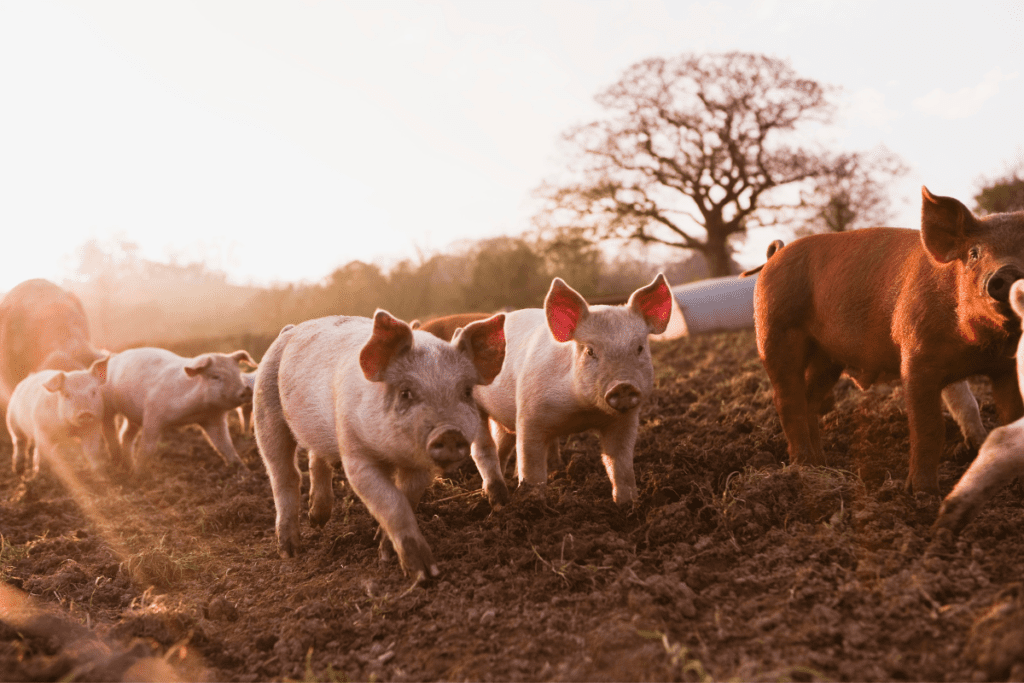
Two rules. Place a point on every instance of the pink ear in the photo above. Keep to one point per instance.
(564, 308)
(390, 337)
(55, 383)
(99, 369)
(485, 341)
(654, 304)
(197, 366)
(243, 355)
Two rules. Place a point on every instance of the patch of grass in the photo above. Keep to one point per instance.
(679, 656)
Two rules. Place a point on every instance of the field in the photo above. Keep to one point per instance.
(731, 565)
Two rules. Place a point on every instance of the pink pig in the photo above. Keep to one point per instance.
(569, 368)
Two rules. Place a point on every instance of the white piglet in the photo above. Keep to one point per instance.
(394, 405)
(56, 415)
(570, 368)
(156, 388)
(1000, 459)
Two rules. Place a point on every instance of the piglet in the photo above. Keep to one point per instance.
(1000, 460)
(928, 308)
(394, 405)
(569, 368)
(156, 388)
(56, 415)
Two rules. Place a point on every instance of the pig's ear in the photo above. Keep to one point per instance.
(565, 309)
(55, 383)
(653, 303)
(946, 225)
(243, 355)
(198, 365)
(99, 369)
(1017, 298)
(390, 337)
(484, 342)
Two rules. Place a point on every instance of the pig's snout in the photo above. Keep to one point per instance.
(84, 418)
(999, 283)
(447, 446)
(623, 396)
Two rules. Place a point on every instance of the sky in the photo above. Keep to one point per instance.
(280, 140)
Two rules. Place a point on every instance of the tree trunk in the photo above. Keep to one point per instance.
(718, 255)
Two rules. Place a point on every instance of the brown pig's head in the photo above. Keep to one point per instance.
(612, 367)
(988, 253)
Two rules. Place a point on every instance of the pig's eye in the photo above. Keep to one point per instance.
(639, 349)
(590, 352)
(467, 393)
(405, 394)
(974, 254)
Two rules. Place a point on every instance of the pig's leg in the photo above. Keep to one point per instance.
(785, 360)
(964, 408)
(506, 441)
(999, 461)
(487, 458)
(531, 453)
(617, 444)
(390, 507)
(1006, 394)
(321, 489)
(216, 430)
(821, 377)
(281, 456)
(110, 436)
(22, 455)
(927, 431)
(92, 449)
(145, 446)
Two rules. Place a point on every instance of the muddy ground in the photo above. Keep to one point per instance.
(731, 565)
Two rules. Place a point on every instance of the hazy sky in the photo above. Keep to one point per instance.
(279, 140)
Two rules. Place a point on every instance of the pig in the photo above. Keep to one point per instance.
(41, 327)
(55, 415)
(156, 388)
(1000, 460)
(393, 404)
(929, 308)
(445, 326)
(569, 368)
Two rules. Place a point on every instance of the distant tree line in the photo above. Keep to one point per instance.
(133, 301)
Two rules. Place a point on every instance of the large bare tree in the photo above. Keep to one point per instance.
(688, 152)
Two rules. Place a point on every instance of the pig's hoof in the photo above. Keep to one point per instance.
(497, 495)
(288, 550)
(416, 558)
(964, 453)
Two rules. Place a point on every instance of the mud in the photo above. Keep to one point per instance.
(731, 565)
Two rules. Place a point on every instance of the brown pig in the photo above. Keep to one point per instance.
(1000, 460)
(445, 326)
(41, 327)
(55, 415)
(929, 308)
(394, 405)
(570, 368)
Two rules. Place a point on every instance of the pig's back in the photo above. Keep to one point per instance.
(315, 352)
(843, 288)
(134, 373)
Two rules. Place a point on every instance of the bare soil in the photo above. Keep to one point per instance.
(731, 565)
